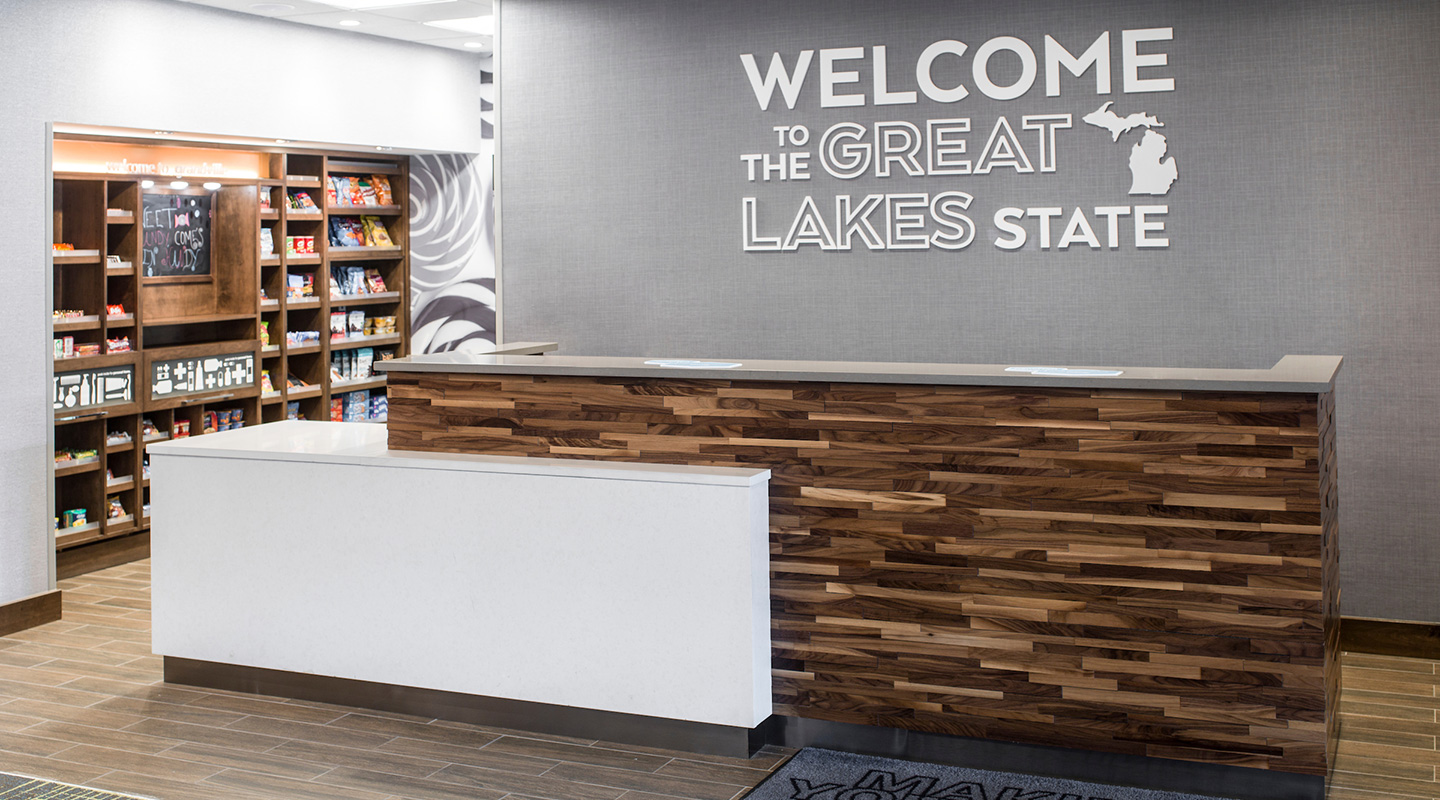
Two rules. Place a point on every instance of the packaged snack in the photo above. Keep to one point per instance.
(120, 345)
(147, 428)
(182, 428)
(357, 406)
(73, 518)
(237, 417)
(331, 196)
(364, 358)
(367, 192)
(337, 324)
(59, 347)
(117, 509)
(264, 333)
(382, 190)
(265, 385)
(292, 410)
(289, 245)
(309, 244)
(375, 233)
(374, 281)
(357, 323)
(267, 243)
(223, 420)
(115, 310)
(357, 197)
(337, 409)
(87, 349)
(379, 407)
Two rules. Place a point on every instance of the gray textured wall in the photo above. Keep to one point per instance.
(1303, 219)
(92, 61)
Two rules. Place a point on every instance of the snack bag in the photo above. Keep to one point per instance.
(383, 195)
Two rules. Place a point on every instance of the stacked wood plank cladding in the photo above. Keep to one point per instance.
(1144, 572)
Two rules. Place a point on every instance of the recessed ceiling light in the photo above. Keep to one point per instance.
(361, 5)
(348, 23)
(485, 26)
(475, 45)
(271, 8)
(147, 184)
(163, 133)
(179, 185)
(381, 147)
(282, 141)
(211, 185)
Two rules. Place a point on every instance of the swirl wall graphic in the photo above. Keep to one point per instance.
(452, 247)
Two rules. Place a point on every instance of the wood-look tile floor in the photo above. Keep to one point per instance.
(81, 701)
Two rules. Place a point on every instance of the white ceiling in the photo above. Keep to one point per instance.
(396, 22)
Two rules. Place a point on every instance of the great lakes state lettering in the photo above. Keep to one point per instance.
(921, 221)
(883, 785)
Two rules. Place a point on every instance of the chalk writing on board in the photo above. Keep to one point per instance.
(176, 231)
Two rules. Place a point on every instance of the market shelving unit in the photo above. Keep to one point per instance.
(106, 403)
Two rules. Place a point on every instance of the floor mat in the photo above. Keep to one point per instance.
(19, 787)
(815, 774)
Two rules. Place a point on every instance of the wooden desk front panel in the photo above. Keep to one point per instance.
(1130, 571)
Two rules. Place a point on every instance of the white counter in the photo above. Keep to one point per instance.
(309, 547)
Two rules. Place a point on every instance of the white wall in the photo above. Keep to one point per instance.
(171, 66)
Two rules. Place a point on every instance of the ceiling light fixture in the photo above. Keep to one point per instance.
(382, 147)
(485, 26)
(366, 5)
(164, 133)
(348, 23)
(282, 141)
(475, 45)
(271, 8)
(211, 185)
(147, 184)
(179, 185)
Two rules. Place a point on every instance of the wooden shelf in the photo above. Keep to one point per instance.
(69, 537)
(90, 322)
(61, 257)
(114, 526)
(90, 362)
(115, 487)
(355, 386)
(364, 341)
(196, 320)
(359, 253)
(364, 299)
(191, 319)
(356, 211)
(64, 469)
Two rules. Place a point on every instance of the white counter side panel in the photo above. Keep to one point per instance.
(624, 595)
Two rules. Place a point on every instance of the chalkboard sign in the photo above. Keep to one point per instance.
(176, 230)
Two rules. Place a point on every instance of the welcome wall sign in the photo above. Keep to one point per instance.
(1024, 144)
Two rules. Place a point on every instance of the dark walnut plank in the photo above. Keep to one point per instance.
(1135, 572)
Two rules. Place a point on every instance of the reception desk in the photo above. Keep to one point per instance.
(1135, 561)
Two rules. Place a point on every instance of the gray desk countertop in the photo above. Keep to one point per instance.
(1302, 374)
